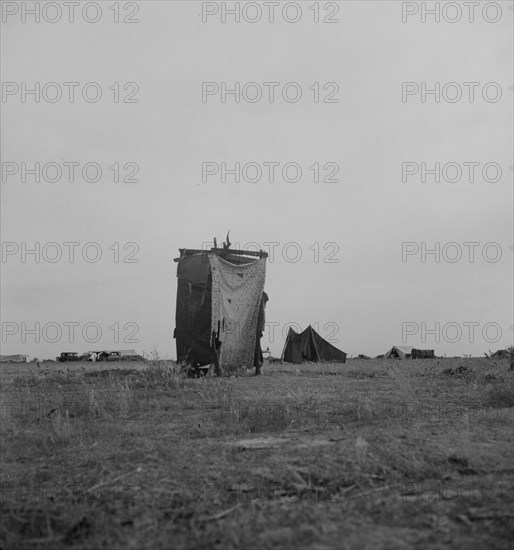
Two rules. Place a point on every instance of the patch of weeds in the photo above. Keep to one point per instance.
(500, 396)
(256, 416)
(215, 391)
(402, 382)
(161, 377)
(461, 370)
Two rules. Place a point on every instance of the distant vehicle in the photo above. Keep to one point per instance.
(132, 358)
(68, 356)
(116, 355)
(120, 355)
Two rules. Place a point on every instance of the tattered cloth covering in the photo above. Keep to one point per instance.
(236, 299)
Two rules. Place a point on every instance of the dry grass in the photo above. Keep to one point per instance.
(371, 454)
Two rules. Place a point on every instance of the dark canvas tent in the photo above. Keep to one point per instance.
(310, 346)
(220, 308)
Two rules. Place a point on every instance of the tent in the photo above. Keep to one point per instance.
(310, 346)
(13, 358)
(398, 352)
(501, 354)
(405, 352)
(220, 308)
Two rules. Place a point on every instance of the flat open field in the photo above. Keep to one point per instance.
(367, 455)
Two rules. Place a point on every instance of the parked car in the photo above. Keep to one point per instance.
(93, 355)
(68, 356)
(132, 358)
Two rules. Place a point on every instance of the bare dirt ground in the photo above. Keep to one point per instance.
(367, 455)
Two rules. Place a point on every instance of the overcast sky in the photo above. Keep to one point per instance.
(356, 281)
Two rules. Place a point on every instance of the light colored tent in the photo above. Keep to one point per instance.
(13, 358)
(406, 352)
(399, 352)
